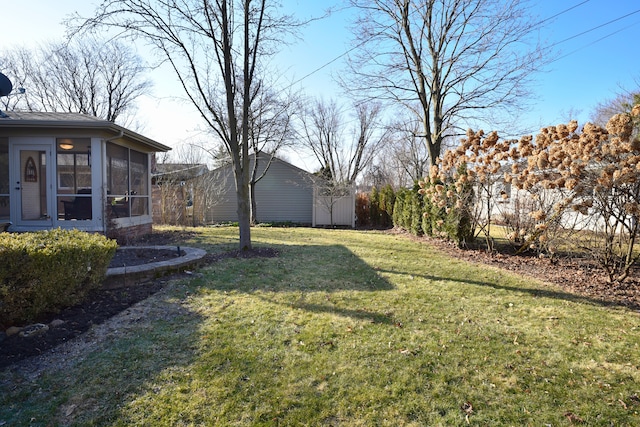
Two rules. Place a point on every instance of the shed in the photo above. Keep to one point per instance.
(284, 194)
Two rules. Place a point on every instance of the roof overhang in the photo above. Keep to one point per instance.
(78, 122)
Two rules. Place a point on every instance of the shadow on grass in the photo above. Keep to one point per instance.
(533, 291)
(359, 314)
(302, 269)
(92, 377)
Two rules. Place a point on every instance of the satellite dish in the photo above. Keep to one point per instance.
(5, 85)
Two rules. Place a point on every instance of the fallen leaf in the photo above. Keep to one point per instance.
(467, 407)
(573, 418)
(70, 410)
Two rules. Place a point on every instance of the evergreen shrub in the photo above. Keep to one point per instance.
(45, 271)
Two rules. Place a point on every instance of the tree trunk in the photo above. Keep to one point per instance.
(254, 207)
(244, 213)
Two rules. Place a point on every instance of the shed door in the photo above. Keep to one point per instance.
(32, 186)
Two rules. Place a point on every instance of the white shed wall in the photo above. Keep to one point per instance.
(342, 210)
(284, 194)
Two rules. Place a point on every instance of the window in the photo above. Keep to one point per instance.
(127, 181)
(73, 172)
(4, 179)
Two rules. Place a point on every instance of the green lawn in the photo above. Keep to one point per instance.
(347, 328)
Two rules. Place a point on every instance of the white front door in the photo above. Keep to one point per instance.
(31, 185)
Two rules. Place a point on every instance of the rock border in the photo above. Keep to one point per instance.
(118, 277)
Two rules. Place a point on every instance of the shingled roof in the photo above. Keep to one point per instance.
(41, 120)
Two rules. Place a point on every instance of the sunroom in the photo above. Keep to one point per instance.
(72, 170)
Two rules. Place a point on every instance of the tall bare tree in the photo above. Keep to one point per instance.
(457, 60)
(343, 157)
(321, 131)
(217, 50)
(87, 76)
(408, 151)
(622, 102)
(271, 130)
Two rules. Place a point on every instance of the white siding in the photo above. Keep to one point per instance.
(339, 211)
(284, 194)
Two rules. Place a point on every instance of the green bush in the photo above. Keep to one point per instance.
(427, 215)
(450, 217)
(374, 207)
(417, 209)
(401, 209)
(408, 210)
(387, 202)
(45, 271)
(398, 209)
(381, 205)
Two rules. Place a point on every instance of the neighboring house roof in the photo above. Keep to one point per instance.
(43, 120)
(179, 171)
(262, 156)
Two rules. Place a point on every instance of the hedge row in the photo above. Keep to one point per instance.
(45, 271)
(409, 210)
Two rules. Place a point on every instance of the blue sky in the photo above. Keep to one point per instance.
(590, 68)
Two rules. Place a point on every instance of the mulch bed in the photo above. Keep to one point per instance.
(100, 306)
(577, 276)
(105, 303)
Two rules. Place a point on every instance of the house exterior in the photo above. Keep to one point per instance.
(72, 170)
(284, 194)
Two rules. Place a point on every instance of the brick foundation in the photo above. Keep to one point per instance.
(125, 234)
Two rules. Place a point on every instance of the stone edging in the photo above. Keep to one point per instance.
(124, 276)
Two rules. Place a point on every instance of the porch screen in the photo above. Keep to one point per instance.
(127, 181)
(73, 176)
(4, 179)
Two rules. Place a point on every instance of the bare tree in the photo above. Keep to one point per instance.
(408, 151)
(370, 134)
(216, 50)
(450, 62)
(91, 76)
(321, 131)
(187, 190)
(343, 158)
(623, 102)
(271, 130)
